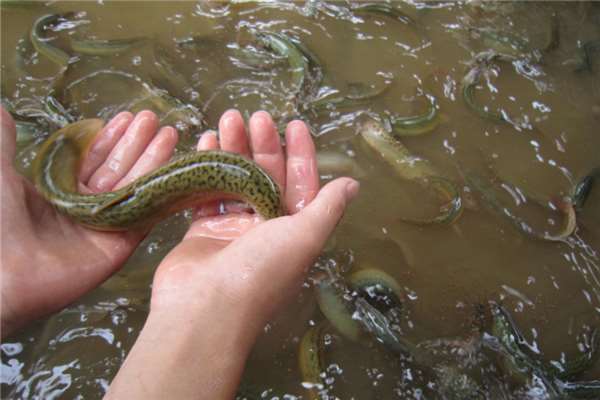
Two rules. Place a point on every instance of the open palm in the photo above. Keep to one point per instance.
(48, 261)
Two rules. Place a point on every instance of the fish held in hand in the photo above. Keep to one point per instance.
(180, 184)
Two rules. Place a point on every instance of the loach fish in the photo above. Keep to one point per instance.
(358, 308)
(42, 45)
(412, 168)
(523, 365)
(418, 124)
(106, 47)
(170, 188)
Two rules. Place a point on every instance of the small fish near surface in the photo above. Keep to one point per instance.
(411, 168)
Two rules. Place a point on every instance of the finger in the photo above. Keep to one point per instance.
(321, 216)
(125, 153)
(104, 142)
(208, 141)
(158, 152)
(266, 146)
(302, 179)
(232, 133)
(8, 137)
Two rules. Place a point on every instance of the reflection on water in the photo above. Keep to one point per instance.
(500, 100)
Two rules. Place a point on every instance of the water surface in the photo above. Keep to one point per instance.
(449, 273)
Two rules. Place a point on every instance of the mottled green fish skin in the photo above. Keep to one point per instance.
(170, 188)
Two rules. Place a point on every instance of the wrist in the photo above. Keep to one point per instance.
(186, 352)
(16, 310)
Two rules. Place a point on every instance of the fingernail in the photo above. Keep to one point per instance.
(229, 117)
(294, 132)
(102, 185)
(352, 189)
(261, 114)
(123, 115)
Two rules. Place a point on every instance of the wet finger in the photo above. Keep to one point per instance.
(321, 216)
(103, 144)
(158, 152)
(208, 141)
(302, 177)
(126, 152)
(266, 146)
(232, 133)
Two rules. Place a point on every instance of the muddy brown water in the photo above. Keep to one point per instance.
(447, 272)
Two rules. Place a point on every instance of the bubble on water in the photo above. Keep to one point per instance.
(175, 19)
(375, 375)
(334, 369)
(153, 247)
(11, 349)
(11, 371)
(122, 301)
(103, 383)
(311, 385)
(85, 332)
(188, 214)
(194, 95)
(411, 294)
(407, 375)
(118, 316)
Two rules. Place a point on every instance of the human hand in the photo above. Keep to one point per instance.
(214, 292)
(255, 250)
(47, 260)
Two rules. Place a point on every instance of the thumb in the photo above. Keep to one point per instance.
(322, 214)
(8, 137)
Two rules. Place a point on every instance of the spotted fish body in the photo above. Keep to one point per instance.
(178, 185)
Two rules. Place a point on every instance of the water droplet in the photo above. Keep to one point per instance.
(152, 247)
(118, 316)
(11, 349)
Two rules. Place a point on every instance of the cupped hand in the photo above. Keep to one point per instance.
(214, 292)
(47, 260)
(266, 260)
